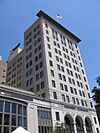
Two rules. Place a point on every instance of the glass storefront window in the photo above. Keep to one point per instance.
(6, 119)
(13, 128)
(14, 105)
(6, 129)
(19, 121)
(7, 107)
(0, 118)
(24, 122)
(13, 120)
(20, 109)
(24, 110)
(1, 106)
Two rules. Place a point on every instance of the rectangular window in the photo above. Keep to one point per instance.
(53, 83)
(77, 101)
(42, 85)
(66, 88)
(91, 104)
(61, 86)
(51, 63)
(63, 97)
(57, 116)
(82, 102)
(73, 100)
(67, 98)
(60, 76)
(41, 74)
(97, 130)
(50, 55)
(71, 90)
(64, 78)
(54, 95)
(52, 73)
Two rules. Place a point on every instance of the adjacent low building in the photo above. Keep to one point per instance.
(23, 108)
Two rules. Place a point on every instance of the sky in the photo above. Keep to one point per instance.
(81, 17)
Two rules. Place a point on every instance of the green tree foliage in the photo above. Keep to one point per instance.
(96, 91)
(61, 128)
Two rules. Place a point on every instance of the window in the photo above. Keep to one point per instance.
(71, 90)
(36, 67)
(54, 95)
(77, 101)
(73, 81)
(91, 104)
(46, 25)
(49, 46)
(48, 39)
(52, 73)
(97, 130)
(41, 74)
(75, 91)
(50, 55)
(53, 83)
(7, 107)
(42, 85)
(89, 95)
(61, 86)
(85, 103)
(31, 81)
(73, 100)
(57, 116)
(70, 80)
(83, 93)
(63, 97)
(61, 61)
(57, 58)
(27, 83)
(67, 98)
(64, 78)
(14, 106)
(80, 93)
(1, 106)
(47, 32)
(60, 76)
(87, 87)
(58, 66)
(66, 88)
(82, 102)
(62, 68)
(51, 63)
(37, 87)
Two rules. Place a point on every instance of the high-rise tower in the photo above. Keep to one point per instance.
(51, 65)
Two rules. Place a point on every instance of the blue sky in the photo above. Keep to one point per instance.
(82, 17)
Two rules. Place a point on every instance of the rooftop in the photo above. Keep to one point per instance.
(42, 14)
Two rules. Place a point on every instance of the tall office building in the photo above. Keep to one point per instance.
(52, 67)
(3, 69)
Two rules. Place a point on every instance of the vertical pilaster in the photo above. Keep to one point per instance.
(75, 129)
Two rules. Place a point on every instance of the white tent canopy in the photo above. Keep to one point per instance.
(20, 130)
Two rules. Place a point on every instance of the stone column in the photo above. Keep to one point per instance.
(93, 129)
(74, 126)
(84, 127)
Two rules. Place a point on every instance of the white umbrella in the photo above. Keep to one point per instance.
(20, 130)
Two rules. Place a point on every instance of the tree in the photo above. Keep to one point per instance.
(61, 128)
(96, 97)
(96, 91)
